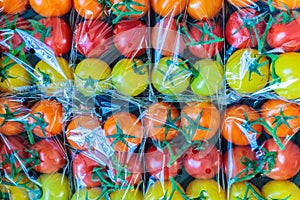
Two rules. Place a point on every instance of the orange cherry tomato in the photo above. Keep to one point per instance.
(283, 4)
(124, 131)
(141, 6)
(159, 119)
(168, 7)
(90, 9)
(234, 127)
(204, 9)
(203, 114)
(79, 124)
(13, 6)
(51, 8)
(242, 3)
(47, 116)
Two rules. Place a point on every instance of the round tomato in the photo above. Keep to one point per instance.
(200, 120)
(130, 76)
(93, 38)
(168, 7)
(210, 189)
(132, 9)
(247, 71)
(46, 117)
(79, 127)
(124, 131)
(233, 158)
(287, 161)
(130, 37)
(60, 36)
(157, 162)
(240, 28)
(87, 193)
(83, 167)
(90, 9)
(281, 116)
(163, 190)
(237, 128)
(161, 121)
(284, 4)
(11, 113)
(285, 69)
(170, 76)
(126, 194)
(48, 8)
(166, 39)
(13, 77)
(281, 190)
(203, 32)
(92, 76)
(241, 191)
(54, 186)
(243, 3)
(208, 79)
(203, 9)
(52, 79)
(202, 163)
(13, 6)
(51, 156)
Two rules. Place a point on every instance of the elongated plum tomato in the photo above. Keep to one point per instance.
(47, 118)
(124, 131)
(11, 111)
(280, 190)
(243, 3)
(203, 9)
(233, 125)
(163, 189)
(53, 8)
(135, 8)
(60, 37)
(90, 9)
(92, 38)
(166, 39)
(90, 193)
(168, 8)
(284, 4)
(247, 71)
(200, 120)
(275, 109)
(211, 189)
(159, 120)
(239, 191)
(13, 6)
(130, 37)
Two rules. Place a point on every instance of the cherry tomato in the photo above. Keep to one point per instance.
(157, 162)
(133, 9)
(203, 32)
(47, 116)
(202, 163)
(48, 8)
(274, 109)
(13, 6)
(92, 76)
(247, 71)
(169, 77)
(93, 38)
(209, 77)
(90, 193)
(203, 9)
(237, 28)
(60, 36)
(243, 3)
(166, 39)
(159, 121)
(130, 76)
(50, 155)
(124, 131)
(281, 190)
(239, 191)
(126, 194)
(287, 162)
(54, 186)
(159, 190)
(90, 9)
(130, 37)
(286, 70)
(11, 111)
(83, 167)
(168, 8)
(235, 127)
(209, 188)
(81, 124)
(285, 4)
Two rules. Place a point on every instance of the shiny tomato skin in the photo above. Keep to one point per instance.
(203, 9)
(130, 37)
(213, 190)
(60, 38)
(287, 162)
(204, 163)
(13, 6)
(143, 8)
(92, 38)
(51, 155)
(280, 190)
(89, 9)
(243, 3)
(241, 38)
(168, 8)
(206, 50)
(51, 8)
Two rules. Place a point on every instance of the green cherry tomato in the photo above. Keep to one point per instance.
(209, 78)
(247, 71)
(130, 76)
(87, 193)
(281, 190)
(171, 76)
(55, 186)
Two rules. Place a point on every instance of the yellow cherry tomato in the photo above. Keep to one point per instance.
(159, 190)
(125, 194)
(239, 191)
(209, 189)
(280, 190)
(87, 193)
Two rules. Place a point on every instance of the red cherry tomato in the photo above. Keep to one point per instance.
(50, 8)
